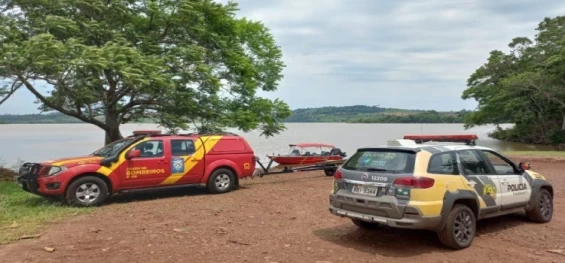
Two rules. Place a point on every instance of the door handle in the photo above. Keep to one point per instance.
(195, 160)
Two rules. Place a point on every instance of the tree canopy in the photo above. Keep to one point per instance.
(525, 86)
(110, 62)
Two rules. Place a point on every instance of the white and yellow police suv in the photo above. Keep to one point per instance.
(437, 187)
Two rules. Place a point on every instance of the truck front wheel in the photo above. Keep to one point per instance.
(221, 181)
(87, 191)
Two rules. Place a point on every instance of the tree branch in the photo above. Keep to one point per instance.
(57, 107)
(15, 86)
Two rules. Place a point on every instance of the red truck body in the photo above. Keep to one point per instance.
(143, 161)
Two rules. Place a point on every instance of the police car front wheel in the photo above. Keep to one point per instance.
(542, 208)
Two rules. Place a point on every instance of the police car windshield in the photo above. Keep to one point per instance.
(388, 161)
(112, 148)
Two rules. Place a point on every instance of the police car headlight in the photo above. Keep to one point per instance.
(54, 170)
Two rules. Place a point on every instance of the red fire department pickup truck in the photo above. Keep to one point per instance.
(145, 160)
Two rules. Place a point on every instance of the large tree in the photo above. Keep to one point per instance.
(525, 86)
(109, 62)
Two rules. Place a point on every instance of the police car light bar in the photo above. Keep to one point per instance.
(467, 138)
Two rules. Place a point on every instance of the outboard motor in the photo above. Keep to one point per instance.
(337, 151)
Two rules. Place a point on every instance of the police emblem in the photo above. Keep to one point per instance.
(178, 165)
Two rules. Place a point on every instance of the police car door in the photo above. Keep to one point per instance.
(478, 175)
(514, 188)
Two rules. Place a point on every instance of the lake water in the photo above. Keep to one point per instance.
(39, 142)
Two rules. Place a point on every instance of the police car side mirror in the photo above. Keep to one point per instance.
(133, 154)
(524, 166)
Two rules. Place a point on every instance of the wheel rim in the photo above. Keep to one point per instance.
(463, 227)
(223, 181)
(88, 192)
(546, 206)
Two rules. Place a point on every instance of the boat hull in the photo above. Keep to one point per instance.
(288, 160)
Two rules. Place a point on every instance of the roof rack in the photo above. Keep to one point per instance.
(469, 139)
(159, 133)
(207, 134)
(146, 132)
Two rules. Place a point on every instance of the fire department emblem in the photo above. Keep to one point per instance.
(178, 165)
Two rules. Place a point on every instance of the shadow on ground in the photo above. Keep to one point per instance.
(394, 242)
(158, 194)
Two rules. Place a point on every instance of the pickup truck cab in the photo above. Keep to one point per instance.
(145, 160)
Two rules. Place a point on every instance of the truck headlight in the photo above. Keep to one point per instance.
(55, 170)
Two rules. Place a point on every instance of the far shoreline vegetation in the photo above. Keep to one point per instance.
(339, 114)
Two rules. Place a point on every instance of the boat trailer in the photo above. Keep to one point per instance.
(329, 167)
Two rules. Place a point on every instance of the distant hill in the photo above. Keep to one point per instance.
(349, 114)
(374, 114)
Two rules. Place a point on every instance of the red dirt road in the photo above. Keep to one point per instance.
(280, 218)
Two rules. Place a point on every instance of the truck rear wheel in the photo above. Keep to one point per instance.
(87, 191)
(221, 181)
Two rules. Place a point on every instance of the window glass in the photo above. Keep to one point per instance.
(472, 163)
(381, 161)
(500, 165)
(182, 147)
(150, 148)
(443, 163)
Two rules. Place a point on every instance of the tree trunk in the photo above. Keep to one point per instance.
(563, 124)
(113, 128)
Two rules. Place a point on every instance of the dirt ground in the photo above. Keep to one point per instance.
(277, 218)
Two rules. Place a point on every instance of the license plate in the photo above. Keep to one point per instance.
(365, 190)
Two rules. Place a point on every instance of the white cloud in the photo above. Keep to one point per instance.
(391, 53)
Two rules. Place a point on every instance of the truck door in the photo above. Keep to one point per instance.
(187, 161)
(149, 169)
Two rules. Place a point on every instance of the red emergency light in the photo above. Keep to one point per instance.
(467, 138)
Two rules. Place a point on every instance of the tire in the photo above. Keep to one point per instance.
(364, 224)
(458, 216)
(221, 181)
(330, 171)
(542, 211)
(97, 192)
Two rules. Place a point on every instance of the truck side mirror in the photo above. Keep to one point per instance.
(133, 154)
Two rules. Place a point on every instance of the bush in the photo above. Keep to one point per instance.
(7, 174)
(557, 136)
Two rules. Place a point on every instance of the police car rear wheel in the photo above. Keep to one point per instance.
(221, 181)
(460, 227)
(542, 210)
(87, 191)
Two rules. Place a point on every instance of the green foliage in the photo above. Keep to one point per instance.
(176, 62)
(21, 213)
(423, 117)
(37, 118)
(373, 114)
(525, 87)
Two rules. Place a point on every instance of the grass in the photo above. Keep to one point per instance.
(22, 213)
(548, 154)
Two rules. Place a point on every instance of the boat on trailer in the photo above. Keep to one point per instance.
(309, 153)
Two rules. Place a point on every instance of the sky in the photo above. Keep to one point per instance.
(411, 54)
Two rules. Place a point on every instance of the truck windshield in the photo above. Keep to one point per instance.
(389, 161)
(112, 148)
